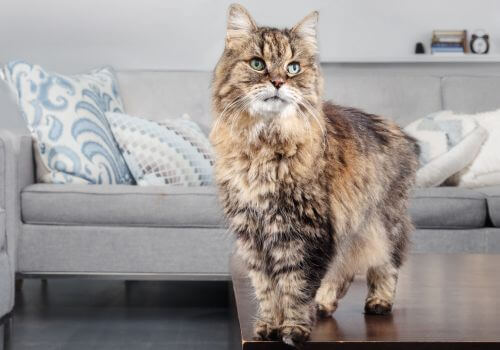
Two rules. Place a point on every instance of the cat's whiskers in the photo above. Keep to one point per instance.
(233, 109)
(226, 109)
(220, 118)
(299, 103)
(301, 114)
(245, 103)
(302, 102)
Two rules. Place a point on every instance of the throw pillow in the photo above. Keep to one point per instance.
(66, 117)
(171, 152)
(484, 170)
(448, 143)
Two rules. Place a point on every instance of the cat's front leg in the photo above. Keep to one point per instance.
(296, 306)
(267, 323)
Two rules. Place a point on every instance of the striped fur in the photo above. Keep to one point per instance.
(314, 192)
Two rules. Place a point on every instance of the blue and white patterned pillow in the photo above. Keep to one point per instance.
(66, 117)
(170, 152)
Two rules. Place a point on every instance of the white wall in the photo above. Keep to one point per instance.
(188, 34)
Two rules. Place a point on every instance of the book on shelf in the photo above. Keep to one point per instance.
(452, 53)
(449, 41)
(456, 48)
(447, 44)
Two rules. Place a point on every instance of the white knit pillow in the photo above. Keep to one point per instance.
(448, 143)
(484, 170)
(170, 152)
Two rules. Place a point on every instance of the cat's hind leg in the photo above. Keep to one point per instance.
(382, 278)
(382, 282)
(334, 287)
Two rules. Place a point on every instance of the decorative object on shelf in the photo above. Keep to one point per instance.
(480, 42)
(419, 48)
(449, 42)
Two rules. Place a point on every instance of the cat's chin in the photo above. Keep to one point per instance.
(271, 108)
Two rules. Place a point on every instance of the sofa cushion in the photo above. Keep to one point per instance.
(471, 94)
(448, 207)
(162, 206)
(121, 205)
(492, 194)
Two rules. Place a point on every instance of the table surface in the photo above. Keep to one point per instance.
(448, 301)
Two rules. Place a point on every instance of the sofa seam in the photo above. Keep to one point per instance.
(448, 227)
(461, 198)
(28, 192)
(67, 224)
(441, 91)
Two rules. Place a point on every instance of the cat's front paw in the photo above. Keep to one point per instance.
(377, 306)
(295, 335)
(264, 330)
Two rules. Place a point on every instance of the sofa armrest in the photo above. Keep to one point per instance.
(16, 172)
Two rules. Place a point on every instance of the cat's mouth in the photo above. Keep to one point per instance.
(270, 104)
(274, 98)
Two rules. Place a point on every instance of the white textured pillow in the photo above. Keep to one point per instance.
(170, 152)
(448, 143)
(65, 115)
(485, 168)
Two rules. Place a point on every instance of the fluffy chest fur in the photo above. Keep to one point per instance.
(273, 179)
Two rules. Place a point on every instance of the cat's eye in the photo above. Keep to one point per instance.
(257, 64)
(293, 68)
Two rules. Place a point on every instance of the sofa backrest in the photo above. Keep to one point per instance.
(158, 95)
(399, 97)
(471, 94)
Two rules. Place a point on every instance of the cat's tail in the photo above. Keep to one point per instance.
(414, 143)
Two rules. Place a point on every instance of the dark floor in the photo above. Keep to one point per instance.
(90, 314)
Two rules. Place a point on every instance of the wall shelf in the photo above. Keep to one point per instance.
(425, 58)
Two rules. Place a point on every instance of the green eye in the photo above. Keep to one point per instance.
(293, 68)
(257, 64)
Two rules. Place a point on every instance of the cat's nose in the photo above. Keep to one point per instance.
(277, 82)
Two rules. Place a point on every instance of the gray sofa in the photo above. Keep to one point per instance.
(178, 233)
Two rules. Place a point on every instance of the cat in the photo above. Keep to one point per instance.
(313, 191)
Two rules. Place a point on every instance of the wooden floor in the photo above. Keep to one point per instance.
(443, 302)
(113, 315)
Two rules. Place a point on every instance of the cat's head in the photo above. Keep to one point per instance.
(266, 72)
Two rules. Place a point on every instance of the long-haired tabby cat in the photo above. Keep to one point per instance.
(313, 191)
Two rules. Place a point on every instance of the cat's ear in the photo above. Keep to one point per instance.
(240, 24)
(306, 29)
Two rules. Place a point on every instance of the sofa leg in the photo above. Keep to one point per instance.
(7, 333)
(19, 284)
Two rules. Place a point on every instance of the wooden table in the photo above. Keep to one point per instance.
(443, 302)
